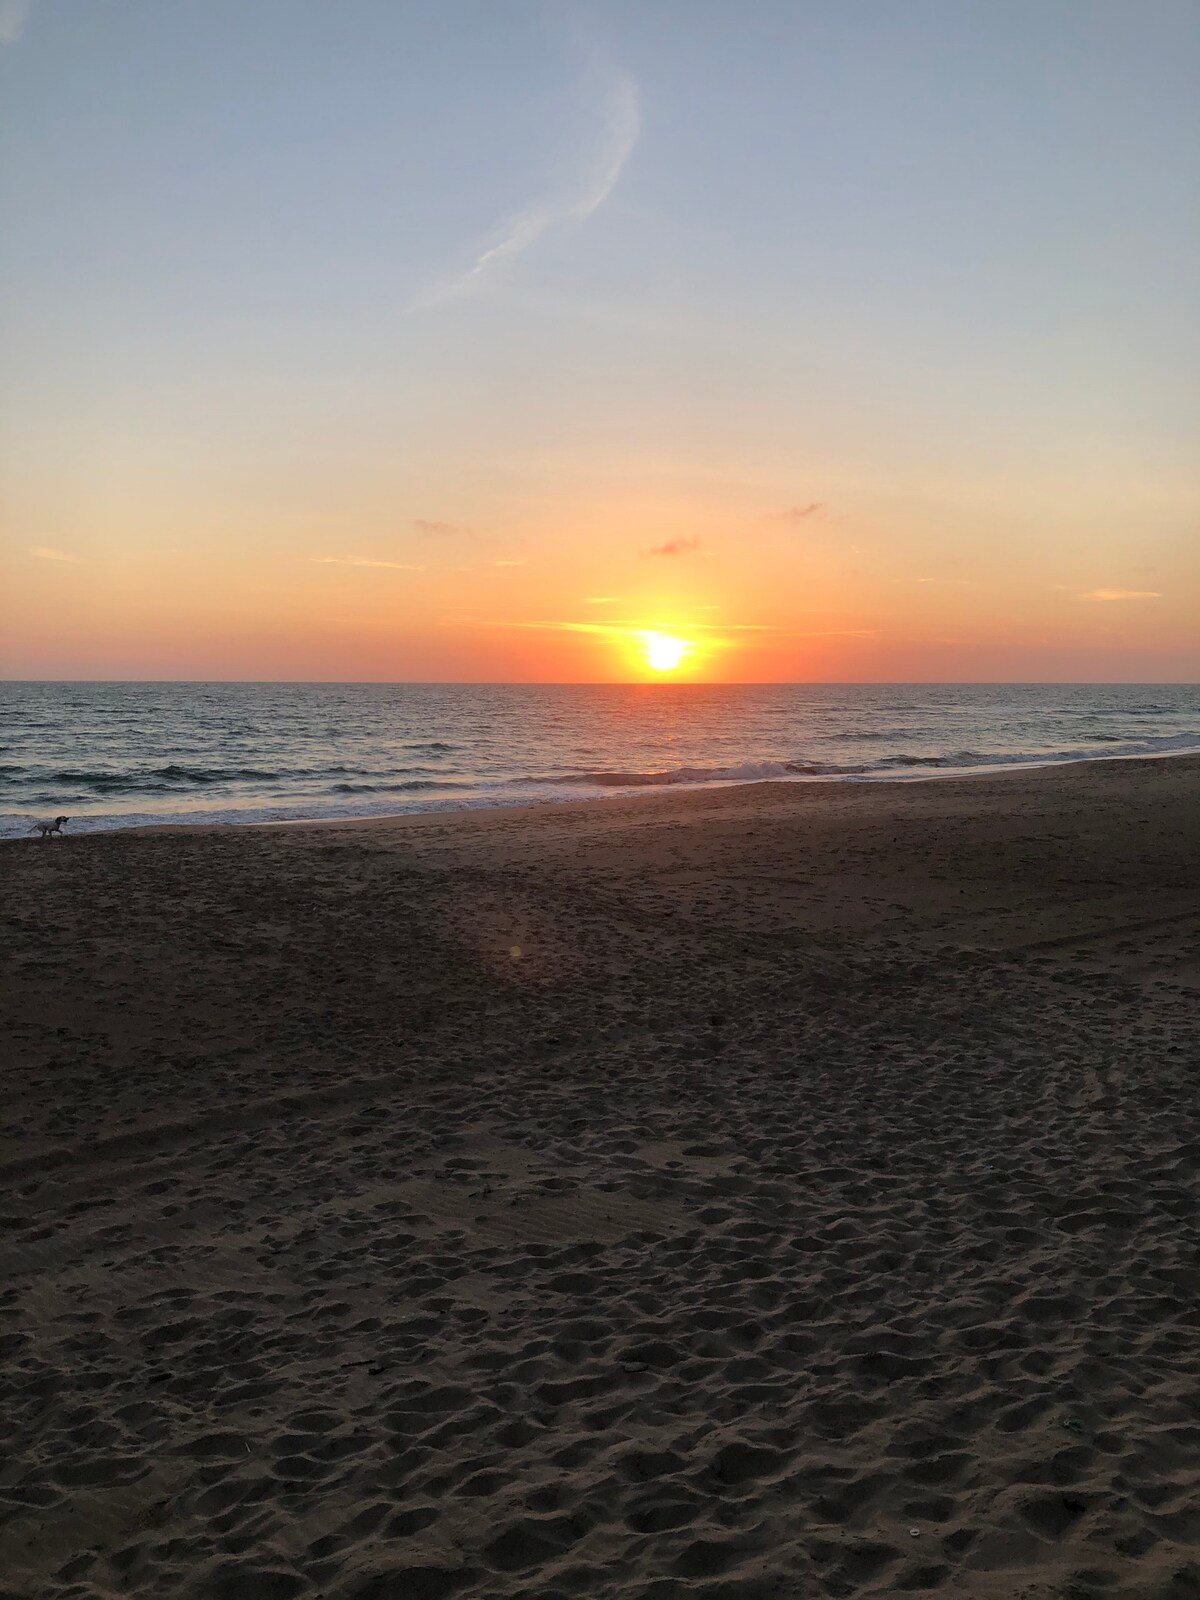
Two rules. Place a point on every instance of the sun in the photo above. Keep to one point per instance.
(664, 653)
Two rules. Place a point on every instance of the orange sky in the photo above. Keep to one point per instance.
(838, 589)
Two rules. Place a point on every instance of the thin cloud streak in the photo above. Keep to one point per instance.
(674, 547)
(40, 553)
(622, 128)
(1122, 594)
(428, 525)
(626, 628)
(14, 14)
(360, 561)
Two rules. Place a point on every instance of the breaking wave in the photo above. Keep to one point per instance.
(408, 786)
(962, 760)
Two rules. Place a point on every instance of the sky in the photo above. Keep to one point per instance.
(831, 339)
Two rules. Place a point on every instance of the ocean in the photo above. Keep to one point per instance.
(114, 755)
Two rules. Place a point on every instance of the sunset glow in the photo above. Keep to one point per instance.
(536, 339)
(663, 652)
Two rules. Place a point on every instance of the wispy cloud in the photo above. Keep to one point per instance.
(40, 553)
(1122, 594)
(14, 14)
(519, 561)
(612, 630)
(607, 630)
(602, 600)
(674, 547)
(622, 125)
(801, 513)
(428, 525)
(362, 561)
(627, 628)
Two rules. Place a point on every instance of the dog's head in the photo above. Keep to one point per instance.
(58, 821)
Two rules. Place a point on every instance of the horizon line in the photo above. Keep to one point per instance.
(665, 680)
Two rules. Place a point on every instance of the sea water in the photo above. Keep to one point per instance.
(121, 754)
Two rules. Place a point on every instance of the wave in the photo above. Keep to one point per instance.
(745, 771)
(751, 771)
(410, 786)
(1168, 744)
(158, 777)
(180, 774)
(171, 778)
(965, 758)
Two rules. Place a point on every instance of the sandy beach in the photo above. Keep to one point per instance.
(758, 1193)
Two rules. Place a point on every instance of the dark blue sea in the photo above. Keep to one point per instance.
(114, 755)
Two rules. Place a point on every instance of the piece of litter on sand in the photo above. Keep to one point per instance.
(1072, 1422)
(914, 1533)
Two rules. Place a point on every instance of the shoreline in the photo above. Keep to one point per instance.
(733, 1192)
(618, 792)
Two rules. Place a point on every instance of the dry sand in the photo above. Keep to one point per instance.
(809, 1209)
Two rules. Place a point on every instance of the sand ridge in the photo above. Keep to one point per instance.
(809, 1209)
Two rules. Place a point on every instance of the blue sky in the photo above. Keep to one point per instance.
(283, 280)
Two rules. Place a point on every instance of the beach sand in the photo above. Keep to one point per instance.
(776, 1191)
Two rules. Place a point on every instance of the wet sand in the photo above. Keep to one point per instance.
(757, 1194)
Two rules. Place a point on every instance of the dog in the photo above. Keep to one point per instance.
(47, 828)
